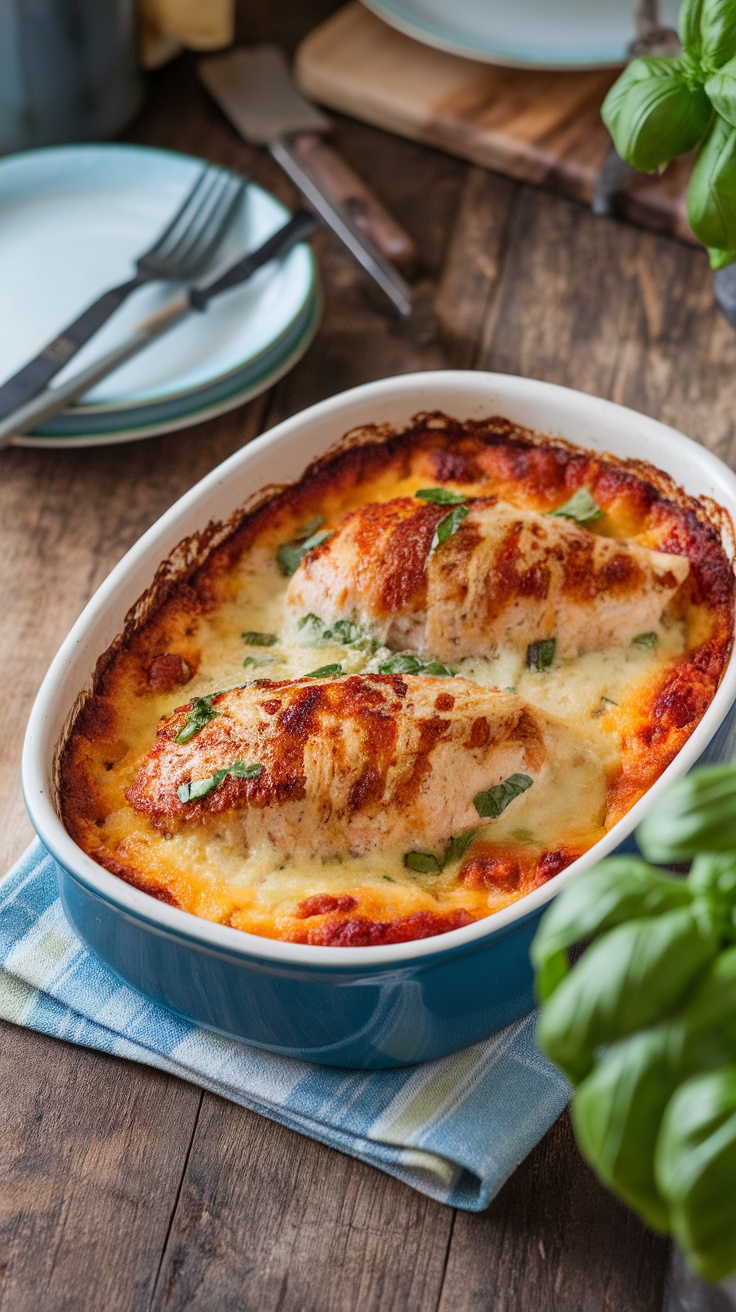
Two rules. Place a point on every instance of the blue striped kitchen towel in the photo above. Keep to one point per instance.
(454, 1129)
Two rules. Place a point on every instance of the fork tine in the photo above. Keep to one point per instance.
(189, 199)
(198, 220)
(210, 233)
(190, 219)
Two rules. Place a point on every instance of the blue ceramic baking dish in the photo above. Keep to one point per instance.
(353, 1007)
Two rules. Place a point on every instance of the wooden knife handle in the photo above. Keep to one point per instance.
(351, 193)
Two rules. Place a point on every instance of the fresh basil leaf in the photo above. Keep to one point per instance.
(457, 847)
(255, 639)
(423, 862)
(707, 30)
(541, 654)
(630, 979)
(200, 714)
(346, 632)
(405, 663)
(653, 114)
(616, 1115)
(491, 803)
(719, 259)
(448, 526)
(695, 1169)
(649, 640)
(581, 507)
(259, 662)
(696, 814)
(291, 554)
(324, 672)
(711, 192)
(239, 770)
(614, 891)
(441, 496)
(720, 89)
(201, 787)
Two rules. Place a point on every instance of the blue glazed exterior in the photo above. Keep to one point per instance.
(366, 1018)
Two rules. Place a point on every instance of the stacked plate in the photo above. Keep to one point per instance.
(72, 221)
(563, 34)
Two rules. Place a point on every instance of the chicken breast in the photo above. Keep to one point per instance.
(506, 578)
(364, 763)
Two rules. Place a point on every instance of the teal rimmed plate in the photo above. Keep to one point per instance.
(72, 220)
(556, 34)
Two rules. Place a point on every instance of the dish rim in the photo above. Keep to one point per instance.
(217, 938)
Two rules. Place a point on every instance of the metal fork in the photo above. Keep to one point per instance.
(181, 251)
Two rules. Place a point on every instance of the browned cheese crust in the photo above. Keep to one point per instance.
(355, 770)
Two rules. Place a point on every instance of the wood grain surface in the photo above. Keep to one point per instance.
(122, 1188)
(536, 125)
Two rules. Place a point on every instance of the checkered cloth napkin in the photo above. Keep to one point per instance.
(454, 1129)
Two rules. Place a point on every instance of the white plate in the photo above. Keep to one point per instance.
(524, 33)
(72, 220)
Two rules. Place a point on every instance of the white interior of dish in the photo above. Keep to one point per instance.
(281, 456)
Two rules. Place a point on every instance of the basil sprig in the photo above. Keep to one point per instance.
(325, 672)
(291, 554)
(255, 639)
(441, 496)
(493, 801)
(582, 508)
(345, 632)
(200, 714)
(201, 787)
(406, 663)
(645, 1024)
(448, 526)
(426, 863)
(660, 108)
(540, 655)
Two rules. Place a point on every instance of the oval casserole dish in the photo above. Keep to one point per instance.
(348, 1006)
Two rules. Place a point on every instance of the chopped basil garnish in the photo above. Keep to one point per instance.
(491, 803)
(441, 496)
(457, 847)
(408, 664)
(649, 640)
(257, 662)
(581, 507)
(449, 525)
(324, 672)
(423, 862)
(610, 701)
(344, 632)
(201, 787)
(291, 554)
(540, 655)
(200, 714)
(255, 639)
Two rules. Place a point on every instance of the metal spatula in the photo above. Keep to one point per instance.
(254, 88)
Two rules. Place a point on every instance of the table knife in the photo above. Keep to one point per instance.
(253, 86)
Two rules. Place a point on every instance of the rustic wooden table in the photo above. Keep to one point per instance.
(122, 1188)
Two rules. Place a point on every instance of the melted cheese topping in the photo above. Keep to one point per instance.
(628, 707)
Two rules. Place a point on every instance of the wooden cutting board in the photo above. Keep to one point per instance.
(538, 126)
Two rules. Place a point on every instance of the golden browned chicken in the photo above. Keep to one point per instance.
(363, 763)
(506, 577)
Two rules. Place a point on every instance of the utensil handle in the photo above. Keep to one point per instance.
(37, 374)
(52, 399)
(361, 247)
(338, 180)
